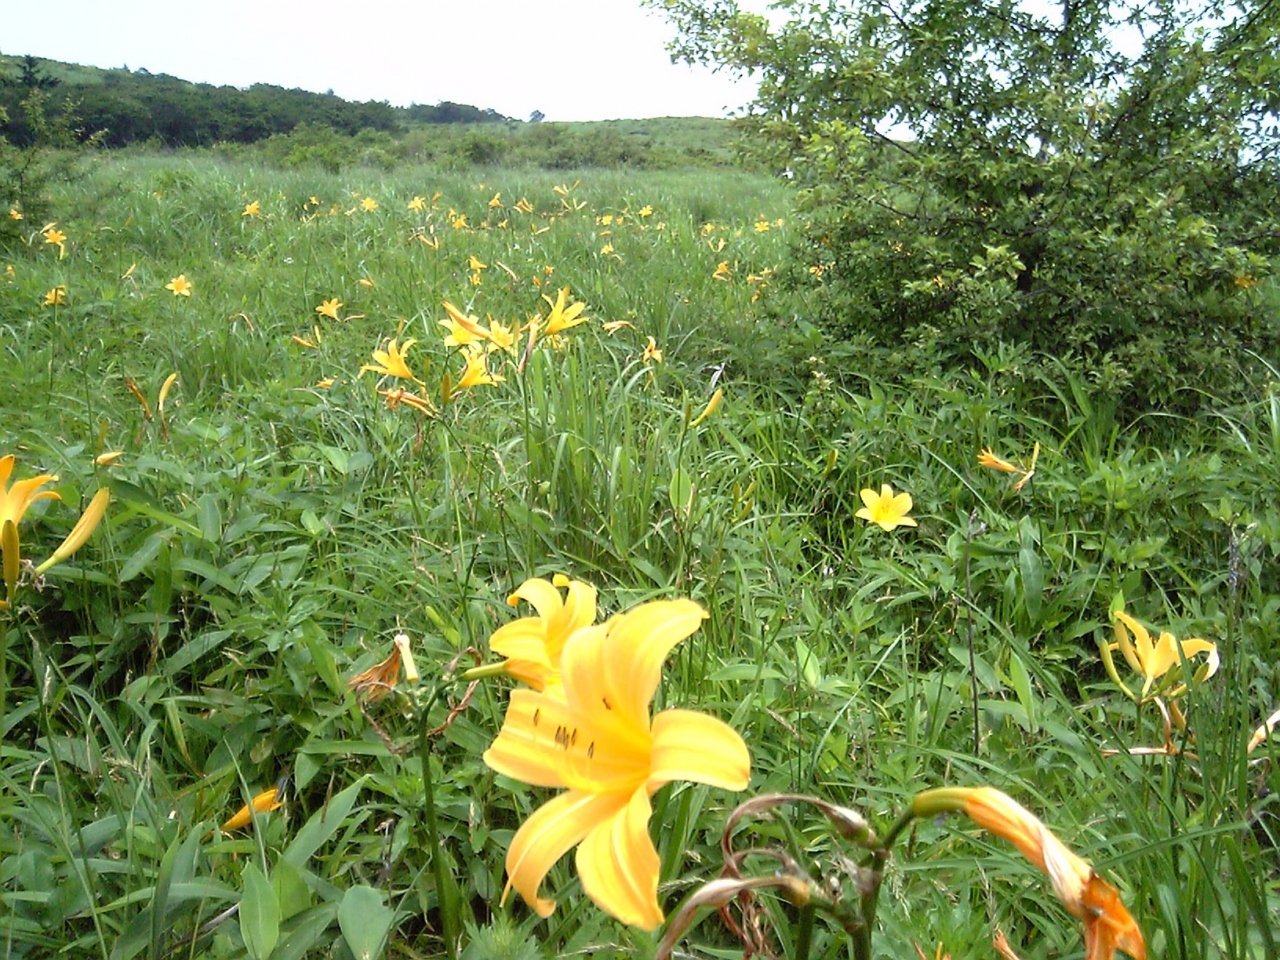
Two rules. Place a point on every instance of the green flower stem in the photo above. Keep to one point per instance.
(875, 863)
(446, 888)
(804, 933)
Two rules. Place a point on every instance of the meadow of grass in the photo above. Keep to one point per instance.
(279, 518)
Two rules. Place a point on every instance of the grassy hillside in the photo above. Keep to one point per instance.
(305, 460)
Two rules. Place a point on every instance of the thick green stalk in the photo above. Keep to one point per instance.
(446, 889)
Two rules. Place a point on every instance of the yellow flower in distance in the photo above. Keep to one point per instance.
(988, 459)
(399, 395)
(253, 209)
(562, 317)
(55, 236)
(418, 204)
(264, 802)
(598, 743)
(1108, 926)
(886, 508)
(329, 308)
(56, 297)
(1154, 660)
(651, 352)
(712, 406)
(391, 361)
(368, 204)
(180, 286)
(532, 645)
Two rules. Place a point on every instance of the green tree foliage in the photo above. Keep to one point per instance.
(1097, 181)
(121, 108)
(35, 132)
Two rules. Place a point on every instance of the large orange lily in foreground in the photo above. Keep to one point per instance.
(1108, 926)
(596, 740)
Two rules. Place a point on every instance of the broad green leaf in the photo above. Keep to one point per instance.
(259, 913)
(365, 921)
(323, 824)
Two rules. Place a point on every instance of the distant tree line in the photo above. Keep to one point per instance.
(130, 107)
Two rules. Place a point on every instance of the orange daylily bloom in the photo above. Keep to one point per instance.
(1108, 926)
(264, 802)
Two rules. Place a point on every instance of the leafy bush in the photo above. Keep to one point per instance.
(973, 174)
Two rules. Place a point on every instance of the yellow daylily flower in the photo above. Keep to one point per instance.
(1154, 660)
(1108, 926)
(462, 328)
(56, 297)
(15, 499)
(81, 532)
(651, 352)
(180, 286)
(599, 744)
(399, 395)
(712, 406)
(476, 371)
(55, 236)
(501, 337)
(418, 204)
(885, 508)
(253, 209)
(264, 802)
(988, 459)
(532, 645)
(368, 204)
(391, 361)
(329, 308)
(561, 317)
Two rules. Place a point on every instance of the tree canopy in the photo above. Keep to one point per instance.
(1094, 181)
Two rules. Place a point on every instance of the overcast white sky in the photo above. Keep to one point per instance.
(571, 59)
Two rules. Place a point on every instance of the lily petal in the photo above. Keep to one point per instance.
(1165, 653)
(620, 670)
(693, 746)
(549, 833)
(1135, 650)
(618, 865)
(526, 749)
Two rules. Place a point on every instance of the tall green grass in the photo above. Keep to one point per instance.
(270, 536)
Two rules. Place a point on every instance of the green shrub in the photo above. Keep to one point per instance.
(972, 174)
